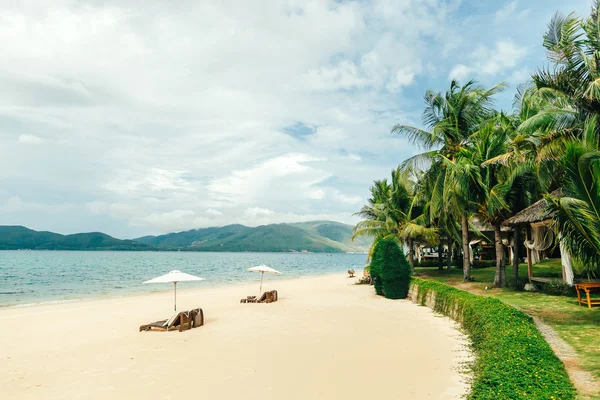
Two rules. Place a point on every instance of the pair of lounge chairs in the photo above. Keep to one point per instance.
(183, 320)
(267, 297)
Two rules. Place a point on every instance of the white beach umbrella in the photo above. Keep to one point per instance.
(262, 269)
(175, 276)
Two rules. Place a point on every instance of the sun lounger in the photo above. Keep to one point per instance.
(267, 297)
(197, 317)
(184, 320)
(165, 324)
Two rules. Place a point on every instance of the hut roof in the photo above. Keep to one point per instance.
(484, 227)
(536, 212)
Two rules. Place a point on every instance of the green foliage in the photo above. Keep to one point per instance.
(390, 270)
(19, 237)
(394, 211)
(375, 269)
(577, 212)
(267, 238)
(395, 271)
(513, 359)
(518, 284)
(557, 287)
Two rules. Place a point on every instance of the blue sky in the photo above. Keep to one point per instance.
(143, 117)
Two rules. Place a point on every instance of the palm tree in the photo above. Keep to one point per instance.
(497, 184)
(578, 211)
(573, 46)
(451, 117)
(393, 211)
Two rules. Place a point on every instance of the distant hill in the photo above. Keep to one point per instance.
(316, 236)
(19, 237)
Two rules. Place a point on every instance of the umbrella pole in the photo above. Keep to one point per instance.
(262, 274)
(175, 306)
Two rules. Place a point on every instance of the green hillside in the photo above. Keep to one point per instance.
(19, 237)
(336, 231)
(317, 236)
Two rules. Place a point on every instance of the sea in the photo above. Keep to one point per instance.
(30, 277)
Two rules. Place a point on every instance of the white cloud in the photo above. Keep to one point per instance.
(257, 212)
(213, 212)
(460, 72)
(30, 139)
(404, 77)
(490, 61)
(506, 11)
(153, 118)
(347, 199)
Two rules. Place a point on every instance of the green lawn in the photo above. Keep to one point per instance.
(577, 325)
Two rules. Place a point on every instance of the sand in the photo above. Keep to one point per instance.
(324, 339)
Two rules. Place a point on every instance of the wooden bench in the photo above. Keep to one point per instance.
(588, 288)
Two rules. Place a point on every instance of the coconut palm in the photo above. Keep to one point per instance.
(573, 46)
(451, 118)
(578, 211)
(394, 212)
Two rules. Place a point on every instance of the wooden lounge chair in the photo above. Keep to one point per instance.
(197, 317)
(184, 320)
(267, 297)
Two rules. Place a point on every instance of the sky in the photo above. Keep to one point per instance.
(144, 117)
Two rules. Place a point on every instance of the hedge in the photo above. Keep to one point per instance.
(513, 359)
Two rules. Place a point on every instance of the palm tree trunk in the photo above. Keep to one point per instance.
(411, 257)
(515, 263)
(465, 244)
(449, 261)
(500, 277)
(440, 256)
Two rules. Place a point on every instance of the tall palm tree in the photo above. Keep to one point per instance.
(451, 118)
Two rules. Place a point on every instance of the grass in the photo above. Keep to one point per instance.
(513, 359)
(577, 325)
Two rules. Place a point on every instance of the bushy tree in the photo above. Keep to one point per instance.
(393, 269)
(375, 272)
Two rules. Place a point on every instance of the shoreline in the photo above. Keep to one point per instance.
(314, 342)
(182, 290)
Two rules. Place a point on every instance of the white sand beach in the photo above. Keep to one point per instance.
(324, 339)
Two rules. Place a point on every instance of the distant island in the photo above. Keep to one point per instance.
(313, 237)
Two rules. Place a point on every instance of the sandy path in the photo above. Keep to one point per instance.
(324, 339)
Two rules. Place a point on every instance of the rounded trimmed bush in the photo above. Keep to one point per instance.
(393, 270)
(375, 270)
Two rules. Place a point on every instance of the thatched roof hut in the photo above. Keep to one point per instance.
(536, 212)
(482, 227)
(535, 219)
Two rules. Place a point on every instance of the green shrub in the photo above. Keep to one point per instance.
(517, 284)
(557, 287)
(395, 271)
(429, 264)
(392, 269)
(513, 359)
(484, 263)
(375, 269)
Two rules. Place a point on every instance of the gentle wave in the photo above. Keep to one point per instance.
(41, 277)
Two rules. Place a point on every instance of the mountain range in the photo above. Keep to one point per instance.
(19, 237)
(315, 236)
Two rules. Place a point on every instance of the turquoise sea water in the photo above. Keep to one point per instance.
(30, 277)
